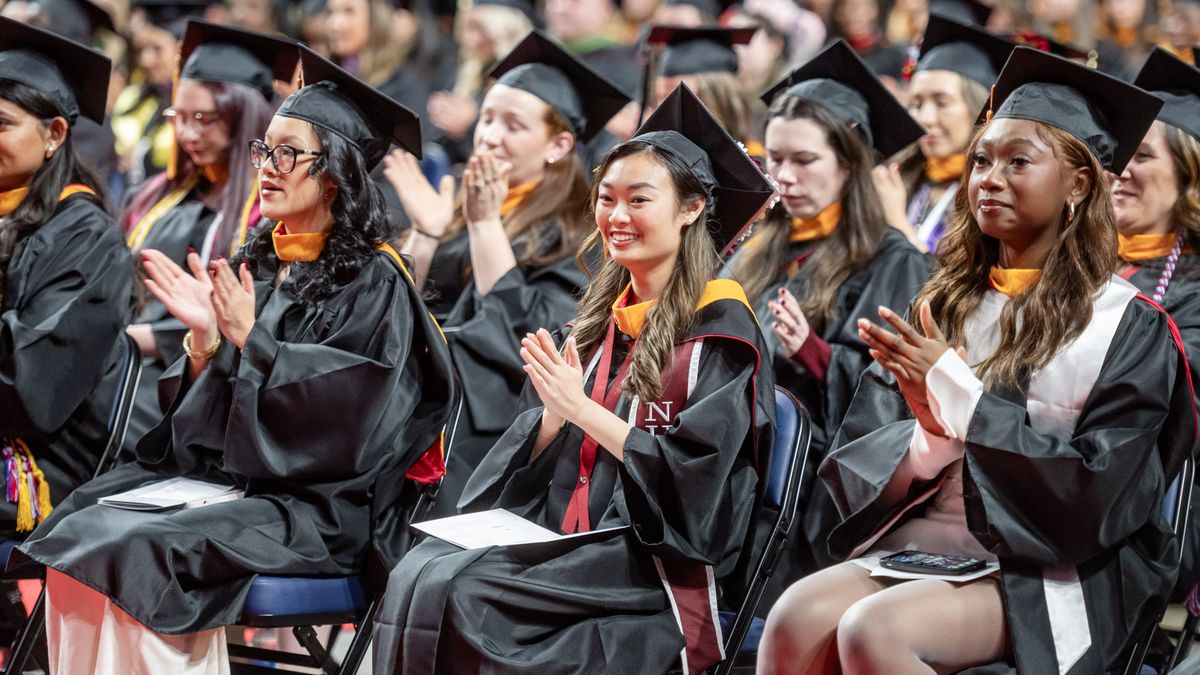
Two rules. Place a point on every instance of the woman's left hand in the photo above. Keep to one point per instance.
(485, 185)
(558, 378)
(233, 301)
(909, 356)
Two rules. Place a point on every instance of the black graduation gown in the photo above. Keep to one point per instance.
(1182, 302)
(184, 226)
(318, 419)
(892, 278)
(485, 332)
(565, 607)
(1042, 504)
(65, 307)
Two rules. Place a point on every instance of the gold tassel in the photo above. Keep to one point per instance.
(991, 104)
(173, 161)
(26, 466)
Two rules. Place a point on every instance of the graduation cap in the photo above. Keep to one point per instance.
(74, 76)
(171, 15)
(213, 53)
(584, 97)
(709, 8)
(1109, 116)
(737, 188)
(340, 103)
(839, 81)
(698, 50)
(1177, 84)
(77, 20)
(971, 12)
(969, 51)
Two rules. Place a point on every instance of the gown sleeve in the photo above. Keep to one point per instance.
(70, 303)
(321, 412)
(485, 332)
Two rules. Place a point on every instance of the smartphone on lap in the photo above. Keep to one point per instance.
(932, 563)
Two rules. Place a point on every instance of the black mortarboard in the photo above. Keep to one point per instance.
(706, 49)
(1178, 86)
(340, 103)
(72, 75)
(77, 20)
(839, 81)
(709, 8)
(970, 12)
(737, 187)
(523, 6)
(969, 51)
(213, 53)
(584, 97)
(171, 15)
(1109, 116)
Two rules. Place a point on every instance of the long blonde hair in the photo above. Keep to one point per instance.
(1059, 306)
(505, 27)
(674, 314)
(382, 56)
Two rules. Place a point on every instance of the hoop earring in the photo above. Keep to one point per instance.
(1070, 212)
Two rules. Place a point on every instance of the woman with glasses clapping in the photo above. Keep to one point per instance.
(315, 380)
(207, 200)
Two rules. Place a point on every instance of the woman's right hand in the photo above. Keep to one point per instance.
(187, 296)
(429, 210)
(892, 196)
(452, 113)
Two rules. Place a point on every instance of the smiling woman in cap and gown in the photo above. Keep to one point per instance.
(65, 277)
(824, 257)
(314, 381)
(1157, 203)
(956, 68)
(500, 258)
(679, 421)
(1032, 415)
(207, 200)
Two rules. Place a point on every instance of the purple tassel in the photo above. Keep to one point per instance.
(10, 475)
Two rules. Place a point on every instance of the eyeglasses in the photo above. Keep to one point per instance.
(283, 157)
(200, 121)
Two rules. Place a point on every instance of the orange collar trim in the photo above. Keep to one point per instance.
(515, 196)
(943, 169)
(1012, 282)
(632, 318)
(11, 199)
(817, 227)
(300, 247)
(1138, 247)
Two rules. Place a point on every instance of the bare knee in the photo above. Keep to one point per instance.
(800, 624)
(868, 641)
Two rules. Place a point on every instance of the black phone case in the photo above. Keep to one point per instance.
(930, 569)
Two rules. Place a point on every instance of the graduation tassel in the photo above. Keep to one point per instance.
(173, 160)
(991, 104)
(25, 485)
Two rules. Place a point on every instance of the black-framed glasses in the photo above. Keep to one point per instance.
(283, 157)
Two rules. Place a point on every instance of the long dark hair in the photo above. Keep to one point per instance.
(60, 170)
(1059, 306)
(849, 247)
(247, 113)
(674, 314)
(360, 223)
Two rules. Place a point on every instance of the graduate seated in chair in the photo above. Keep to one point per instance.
(314, 379)
(1030, 413)
(65, 277)
(657, 415)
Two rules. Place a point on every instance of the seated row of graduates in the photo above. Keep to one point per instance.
(337, 380)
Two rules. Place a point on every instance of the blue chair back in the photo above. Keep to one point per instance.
(783, 454)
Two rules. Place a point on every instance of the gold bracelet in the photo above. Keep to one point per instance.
(200, 356)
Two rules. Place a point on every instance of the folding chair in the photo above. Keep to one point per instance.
(793, 433)
(1175, 506)
(29, 637)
